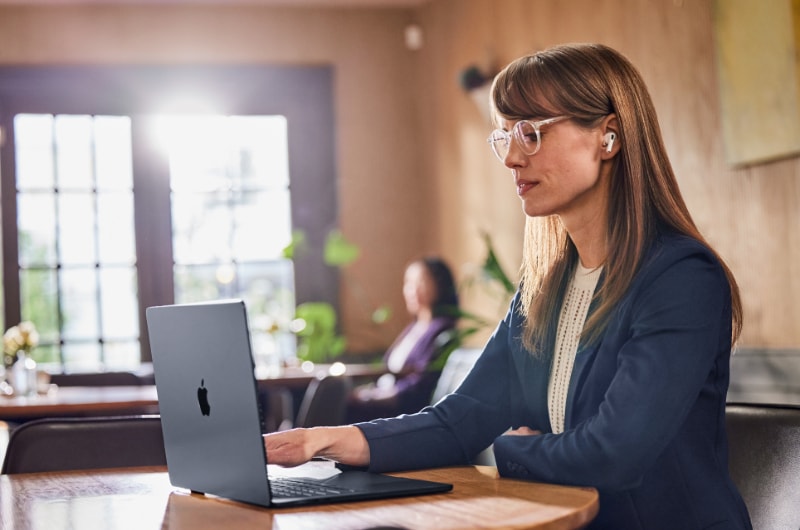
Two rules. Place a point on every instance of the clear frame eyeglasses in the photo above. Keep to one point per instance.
(527, 134)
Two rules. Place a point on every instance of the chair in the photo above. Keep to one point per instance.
(98, 379)
(61, 444)
(458, 365)
(764, 462)
(324, 402)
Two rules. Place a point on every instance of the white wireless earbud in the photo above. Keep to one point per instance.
(608, 141)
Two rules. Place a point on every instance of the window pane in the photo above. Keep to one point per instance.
(198, 151)
(263, 226)
(262, 144)
(80, 214)
(201, 228)
(79, 303)
(74, 149)
(33, 143)
(121, 355)
(115, 228)
(39, 301)
(113, 152)
(82, 356)
(48, 355)
(77, 235)
(196, 283)
(232, 219)
(36, 223)
(119, 303)
(268, 292)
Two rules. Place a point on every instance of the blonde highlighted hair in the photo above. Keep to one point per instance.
(587, 82)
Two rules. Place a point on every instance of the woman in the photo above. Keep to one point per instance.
(624, 390)
(432, 301)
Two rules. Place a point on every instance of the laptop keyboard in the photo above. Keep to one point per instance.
(287, 487)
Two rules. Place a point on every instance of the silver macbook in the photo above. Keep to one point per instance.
(210, 415)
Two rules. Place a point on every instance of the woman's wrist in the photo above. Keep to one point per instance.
(345, 444)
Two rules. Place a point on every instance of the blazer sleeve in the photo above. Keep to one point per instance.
(458, 427)
(664, 345)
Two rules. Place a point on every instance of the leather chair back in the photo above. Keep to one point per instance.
(63, 444)
(324, 402)
(764, 462)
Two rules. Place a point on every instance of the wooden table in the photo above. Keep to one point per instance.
(144, 499)
(80, 401)
(298, 377)
(108, 400)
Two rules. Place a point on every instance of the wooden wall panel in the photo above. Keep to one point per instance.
(752, 215)
(415, 174)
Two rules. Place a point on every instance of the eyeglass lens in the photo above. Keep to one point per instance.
(525, 134)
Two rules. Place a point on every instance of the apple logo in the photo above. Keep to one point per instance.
(202, 398)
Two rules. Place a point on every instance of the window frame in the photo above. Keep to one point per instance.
(304, 94)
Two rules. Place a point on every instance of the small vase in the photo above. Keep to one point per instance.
(22, 375)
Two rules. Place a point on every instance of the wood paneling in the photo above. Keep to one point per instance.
(752, 215)
(415, 174)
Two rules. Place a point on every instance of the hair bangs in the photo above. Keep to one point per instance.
(520, 91)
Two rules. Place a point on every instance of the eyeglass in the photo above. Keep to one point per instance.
(527, 133)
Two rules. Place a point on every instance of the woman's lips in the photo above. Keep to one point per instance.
(524, 186)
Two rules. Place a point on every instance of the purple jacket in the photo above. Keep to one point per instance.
(421, 355)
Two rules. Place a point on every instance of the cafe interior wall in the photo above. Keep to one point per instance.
(749, 213)
(415, 175)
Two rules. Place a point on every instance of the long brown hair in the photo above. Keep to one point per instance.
(587, 82)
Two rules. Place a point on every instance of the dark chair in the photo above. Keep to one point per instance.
(764, 462)
(324, 402)
(99, 379)
(277, 405)
(62, 444)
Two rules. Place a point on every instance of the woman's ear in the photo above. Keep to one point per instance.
(611, 141)
(608, 141)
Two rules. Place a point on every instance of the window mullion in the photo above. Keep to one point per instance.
(153, 224)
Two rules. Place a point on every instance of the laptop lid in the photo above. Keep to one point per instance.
(208, 400)
(209, 406)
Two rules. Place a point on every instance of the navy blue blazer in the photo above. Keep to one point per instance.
(645, 414)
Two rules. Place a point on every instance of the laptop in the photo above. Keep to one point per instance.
(211, 419)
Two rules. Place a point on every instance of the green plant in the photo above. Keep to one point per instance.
(315, 322)
(316, 325)
(317, 338)
(491, 273)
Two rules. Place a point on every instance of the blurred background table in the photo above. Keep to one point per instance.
(80, 401)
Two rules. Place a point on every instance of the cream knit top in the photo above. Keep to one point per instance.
(574, 310)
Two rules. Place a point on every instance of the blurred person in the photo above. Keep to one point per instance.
(431, 300)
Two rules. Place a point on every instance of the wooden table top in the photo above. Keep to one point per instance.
(144, 499)
(80, 400)
(94, 400)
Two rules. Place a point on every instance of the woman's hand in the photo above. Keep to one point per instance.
(345, 444)
(522, 431)
(289, 448)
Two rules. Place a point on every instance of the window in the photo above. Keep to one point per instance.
(76, 255)
(109, 207)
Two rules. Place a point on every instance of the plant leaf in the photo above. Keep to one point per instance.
(338, 251)
(296, 246)
(492, 268)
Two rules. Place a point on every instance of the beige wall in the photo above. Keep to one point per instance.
(415, 174)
